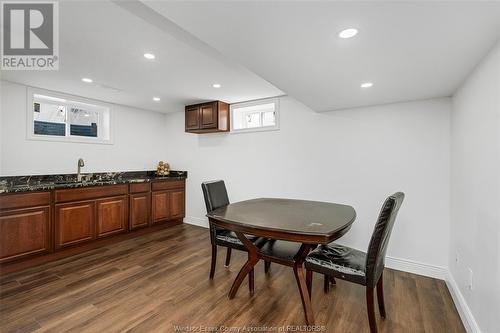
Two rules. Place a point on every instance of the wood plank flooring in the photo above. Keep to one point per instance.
(157, 281)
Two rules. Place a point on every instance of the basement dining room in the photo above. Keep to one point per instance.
(250, 166)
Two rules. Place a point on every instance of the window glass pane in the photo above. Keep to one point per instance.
(252, 120)
(49, 119)
(254, 116)
(83, 122)
(62, 119)
(268, 118)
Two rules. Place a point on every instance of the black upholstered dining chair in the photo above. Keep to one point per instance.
(337, 261)
(215, 195)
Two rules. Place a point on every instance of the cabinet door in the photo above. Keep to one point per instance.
(177, 204)
(192, 118)
(140, 205)
(111, 216)
(24, 232)
(75, 223)
(208, 115)
(160, 206)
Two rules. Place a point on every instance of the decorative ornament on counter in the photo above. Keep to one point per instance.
(163, 169)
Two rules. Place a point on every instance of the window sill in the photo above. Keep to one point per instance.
(253, 130)
(69, 139)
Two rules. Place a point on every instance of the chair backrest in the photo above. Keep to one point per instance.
(375, 257)
(215, 194)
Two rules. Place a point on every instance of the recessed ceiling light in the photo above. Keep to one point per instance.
(87, 80)
(348, 33)
(366, 84)
(149, 56)
(156, 99)
(216, 85)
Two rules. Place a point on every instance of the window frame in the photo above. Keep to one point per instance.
(275, 127)
(30, 125)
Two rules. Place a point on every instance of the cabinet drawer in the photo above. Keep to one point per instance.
(74, 194)
(168, 185)
(24, 232)
(20, 200)
(139, 187)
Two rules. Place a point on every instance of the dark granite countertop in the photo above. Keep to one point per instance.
(14, 184)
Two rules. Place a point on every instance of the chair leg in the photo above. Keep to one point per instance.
(309, 279)
(326, 283)
(267, 265)
(228, 257)
(214, 261)
(251, 282)
(370, 306)
(380, 296)
(332, 280)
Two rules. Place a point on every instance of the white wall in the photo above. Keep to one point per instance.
(139, 137)
(356, 157)
(475, 191)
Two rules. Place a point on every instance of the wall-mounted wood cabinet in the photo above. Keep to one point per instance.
(208, 117)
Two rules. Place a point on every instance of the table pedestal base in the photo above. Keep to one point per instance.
(298, 270)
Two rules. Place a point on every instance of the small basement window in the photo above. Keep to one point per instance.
(262, 115)
(57, 117)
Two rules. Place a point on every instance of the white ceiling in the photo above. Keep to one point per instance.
(409, 49)
(105, 42)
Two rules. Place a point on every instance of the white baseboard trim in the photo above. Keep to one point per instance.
(409, 266)
(200, 222)
(415, 267)
(463, 309)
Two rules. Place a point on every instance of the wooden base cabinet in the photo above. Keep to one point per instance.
(24, 232)
(160, 206)
(177, 204)
(75, 223)
(112, 216)
(140, 206)
(167, 201)
(35, 223)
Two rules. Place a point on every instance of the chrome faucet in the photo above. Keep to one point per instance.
(81, 164)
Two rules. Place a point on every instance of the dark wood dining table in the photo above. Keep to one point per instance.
(308, 223)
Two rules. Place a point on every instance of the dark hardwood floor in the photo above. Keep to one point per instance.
(155, 281)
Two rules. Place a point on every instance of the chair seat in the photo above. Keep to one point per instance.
(340, 261)
(280, 249)
(229, 239)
